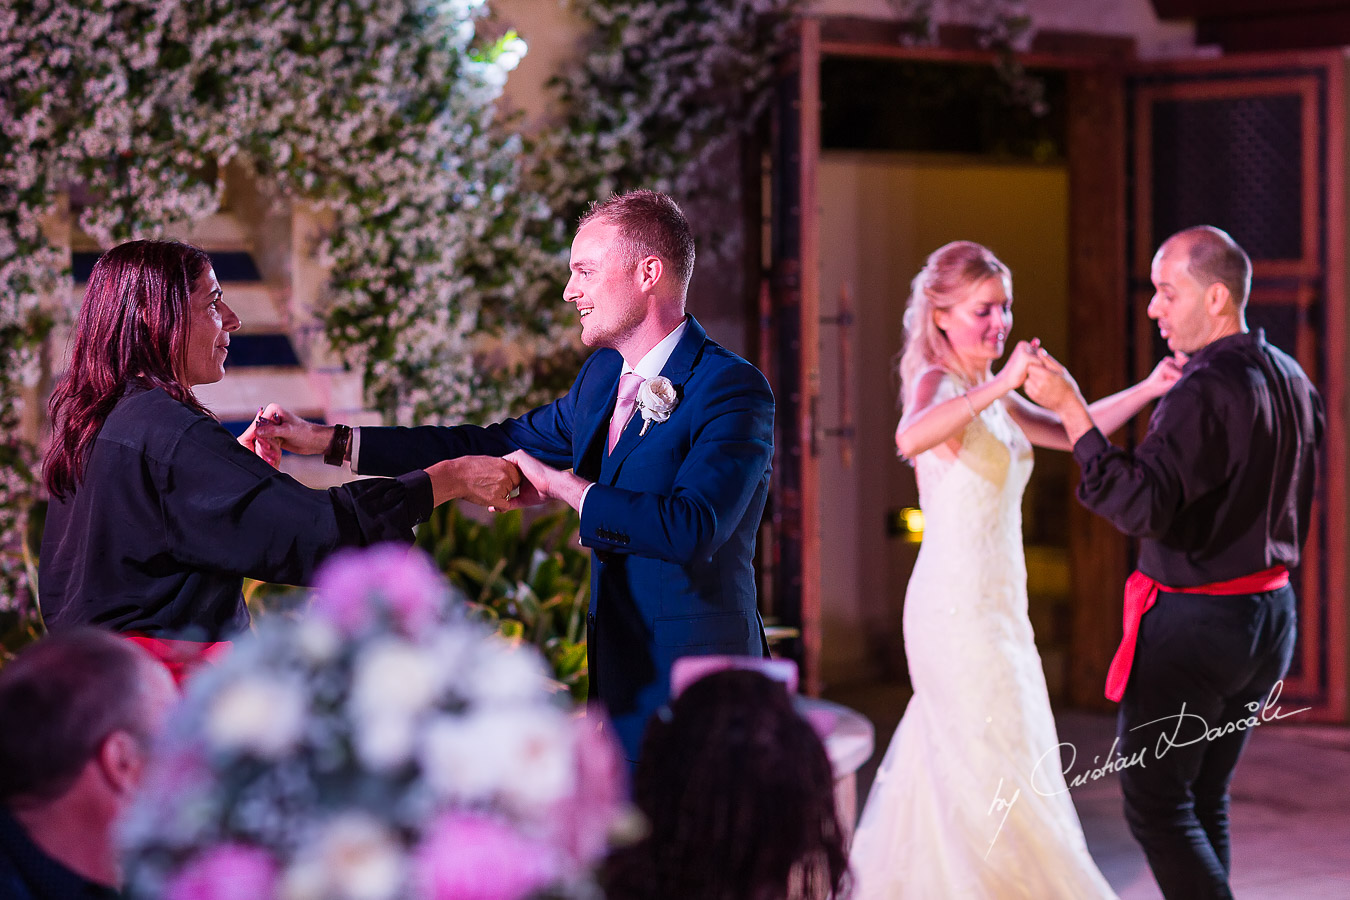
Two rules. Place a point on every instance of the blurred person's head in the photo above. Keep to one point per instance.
(80, 712)
(739, 793)
(958, 315)
(1201, 281)
(152, 314)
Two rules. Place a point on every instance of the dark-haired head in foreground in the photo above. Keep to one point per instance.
(740, 796)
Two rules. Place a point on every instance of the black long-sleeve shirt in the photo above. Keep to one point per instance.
(173, 513)
(1222, 485)
(28, 873)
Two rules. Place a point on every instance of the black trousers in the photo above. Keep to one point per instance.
(1204, 668)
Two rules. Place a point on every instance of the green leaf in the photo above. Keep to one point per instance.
(531, 580)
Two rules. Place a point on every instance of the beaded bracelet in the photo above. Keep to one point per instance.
(970, 406)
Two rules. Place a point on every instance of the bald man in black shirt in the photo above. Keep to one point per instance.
(1220, 494)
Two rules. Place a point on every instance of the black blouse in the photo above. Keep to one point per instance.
(1222, 485)
(173, 513)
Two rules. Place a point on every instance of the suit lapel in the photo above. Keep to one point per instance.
(590, 450)
(677, 368)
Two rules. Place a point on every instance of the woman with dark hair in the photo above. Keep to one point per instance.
(157, 512)
(739, 793)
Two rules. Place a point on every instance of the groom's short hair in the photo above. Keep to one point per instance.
(650, 224)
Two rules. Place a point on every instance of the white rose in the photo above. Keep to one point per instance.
(383, 741)
(261, 715)
(538, 749)
(457, 762)
(394, 676)
(353, 858)
(394, 683)
(657, 398)
(502, 674)
(317, 640)
(521, 754)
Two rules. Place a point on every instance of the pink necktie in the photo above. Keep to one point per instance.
(629, 385)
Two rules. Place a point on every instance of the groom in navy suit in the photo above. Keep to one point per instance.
(669, 438)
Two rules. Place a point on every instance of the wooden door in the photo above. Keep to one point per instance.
(1100, 557)
(793, 314)
(1255, 146)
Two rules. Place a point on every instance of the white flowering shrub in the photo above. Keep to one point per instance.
(19, 621)
(660, 88)
(656, 96)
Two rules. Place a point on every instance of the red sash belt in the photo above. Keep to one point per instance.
(1141, 592)
(181, 658)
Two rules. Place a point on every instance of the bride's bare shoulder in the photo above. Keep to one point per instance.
(925, 391)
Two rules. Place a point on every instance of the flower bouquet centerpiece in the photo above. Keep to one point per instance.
(380, 747)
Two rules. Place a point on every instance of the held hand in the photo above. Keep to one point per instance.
(1165, 374)
(485, 480)
(1049, 384)
(536, 485)
(290, 432)
(1014, 371)
(267, 450)
(544, 483)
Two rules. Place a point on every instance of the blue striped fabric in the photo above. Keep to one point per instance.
(261, 350)
(230, 265)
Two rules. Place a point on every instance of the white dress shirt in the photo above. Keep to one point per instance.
(648, 367)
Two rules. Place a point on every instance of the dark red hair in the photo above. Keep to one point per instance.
(133, 326)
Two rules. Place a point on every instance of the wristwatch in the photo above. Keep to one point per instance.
(336, 453)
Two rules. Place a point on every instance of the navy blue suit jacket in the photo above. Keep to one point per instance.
(671, 520)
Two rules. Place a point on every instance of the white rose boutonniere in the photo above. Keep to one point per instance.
(657, 399)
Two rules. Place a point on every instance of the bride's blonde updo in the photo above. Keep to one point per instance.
(946, 279)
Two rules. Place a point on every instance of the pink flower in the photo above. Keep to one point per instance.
(581, 823)
(469, 857)
(226, 872)
(355, 585)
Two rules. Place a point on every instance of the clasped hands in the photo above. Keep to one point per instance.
(513, 481)
(1048, 383)
(1040, 376)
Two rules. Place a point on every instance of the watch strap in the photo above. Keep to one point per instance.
(336, 454)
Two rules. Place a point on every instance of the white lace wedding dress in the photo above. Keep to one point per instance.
(978, 729)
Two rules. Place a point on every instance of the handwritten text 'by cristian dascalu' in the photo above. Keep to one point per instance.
(1189, 729)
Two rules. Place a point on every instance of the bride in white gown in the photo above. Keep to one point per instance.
(960, 807)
